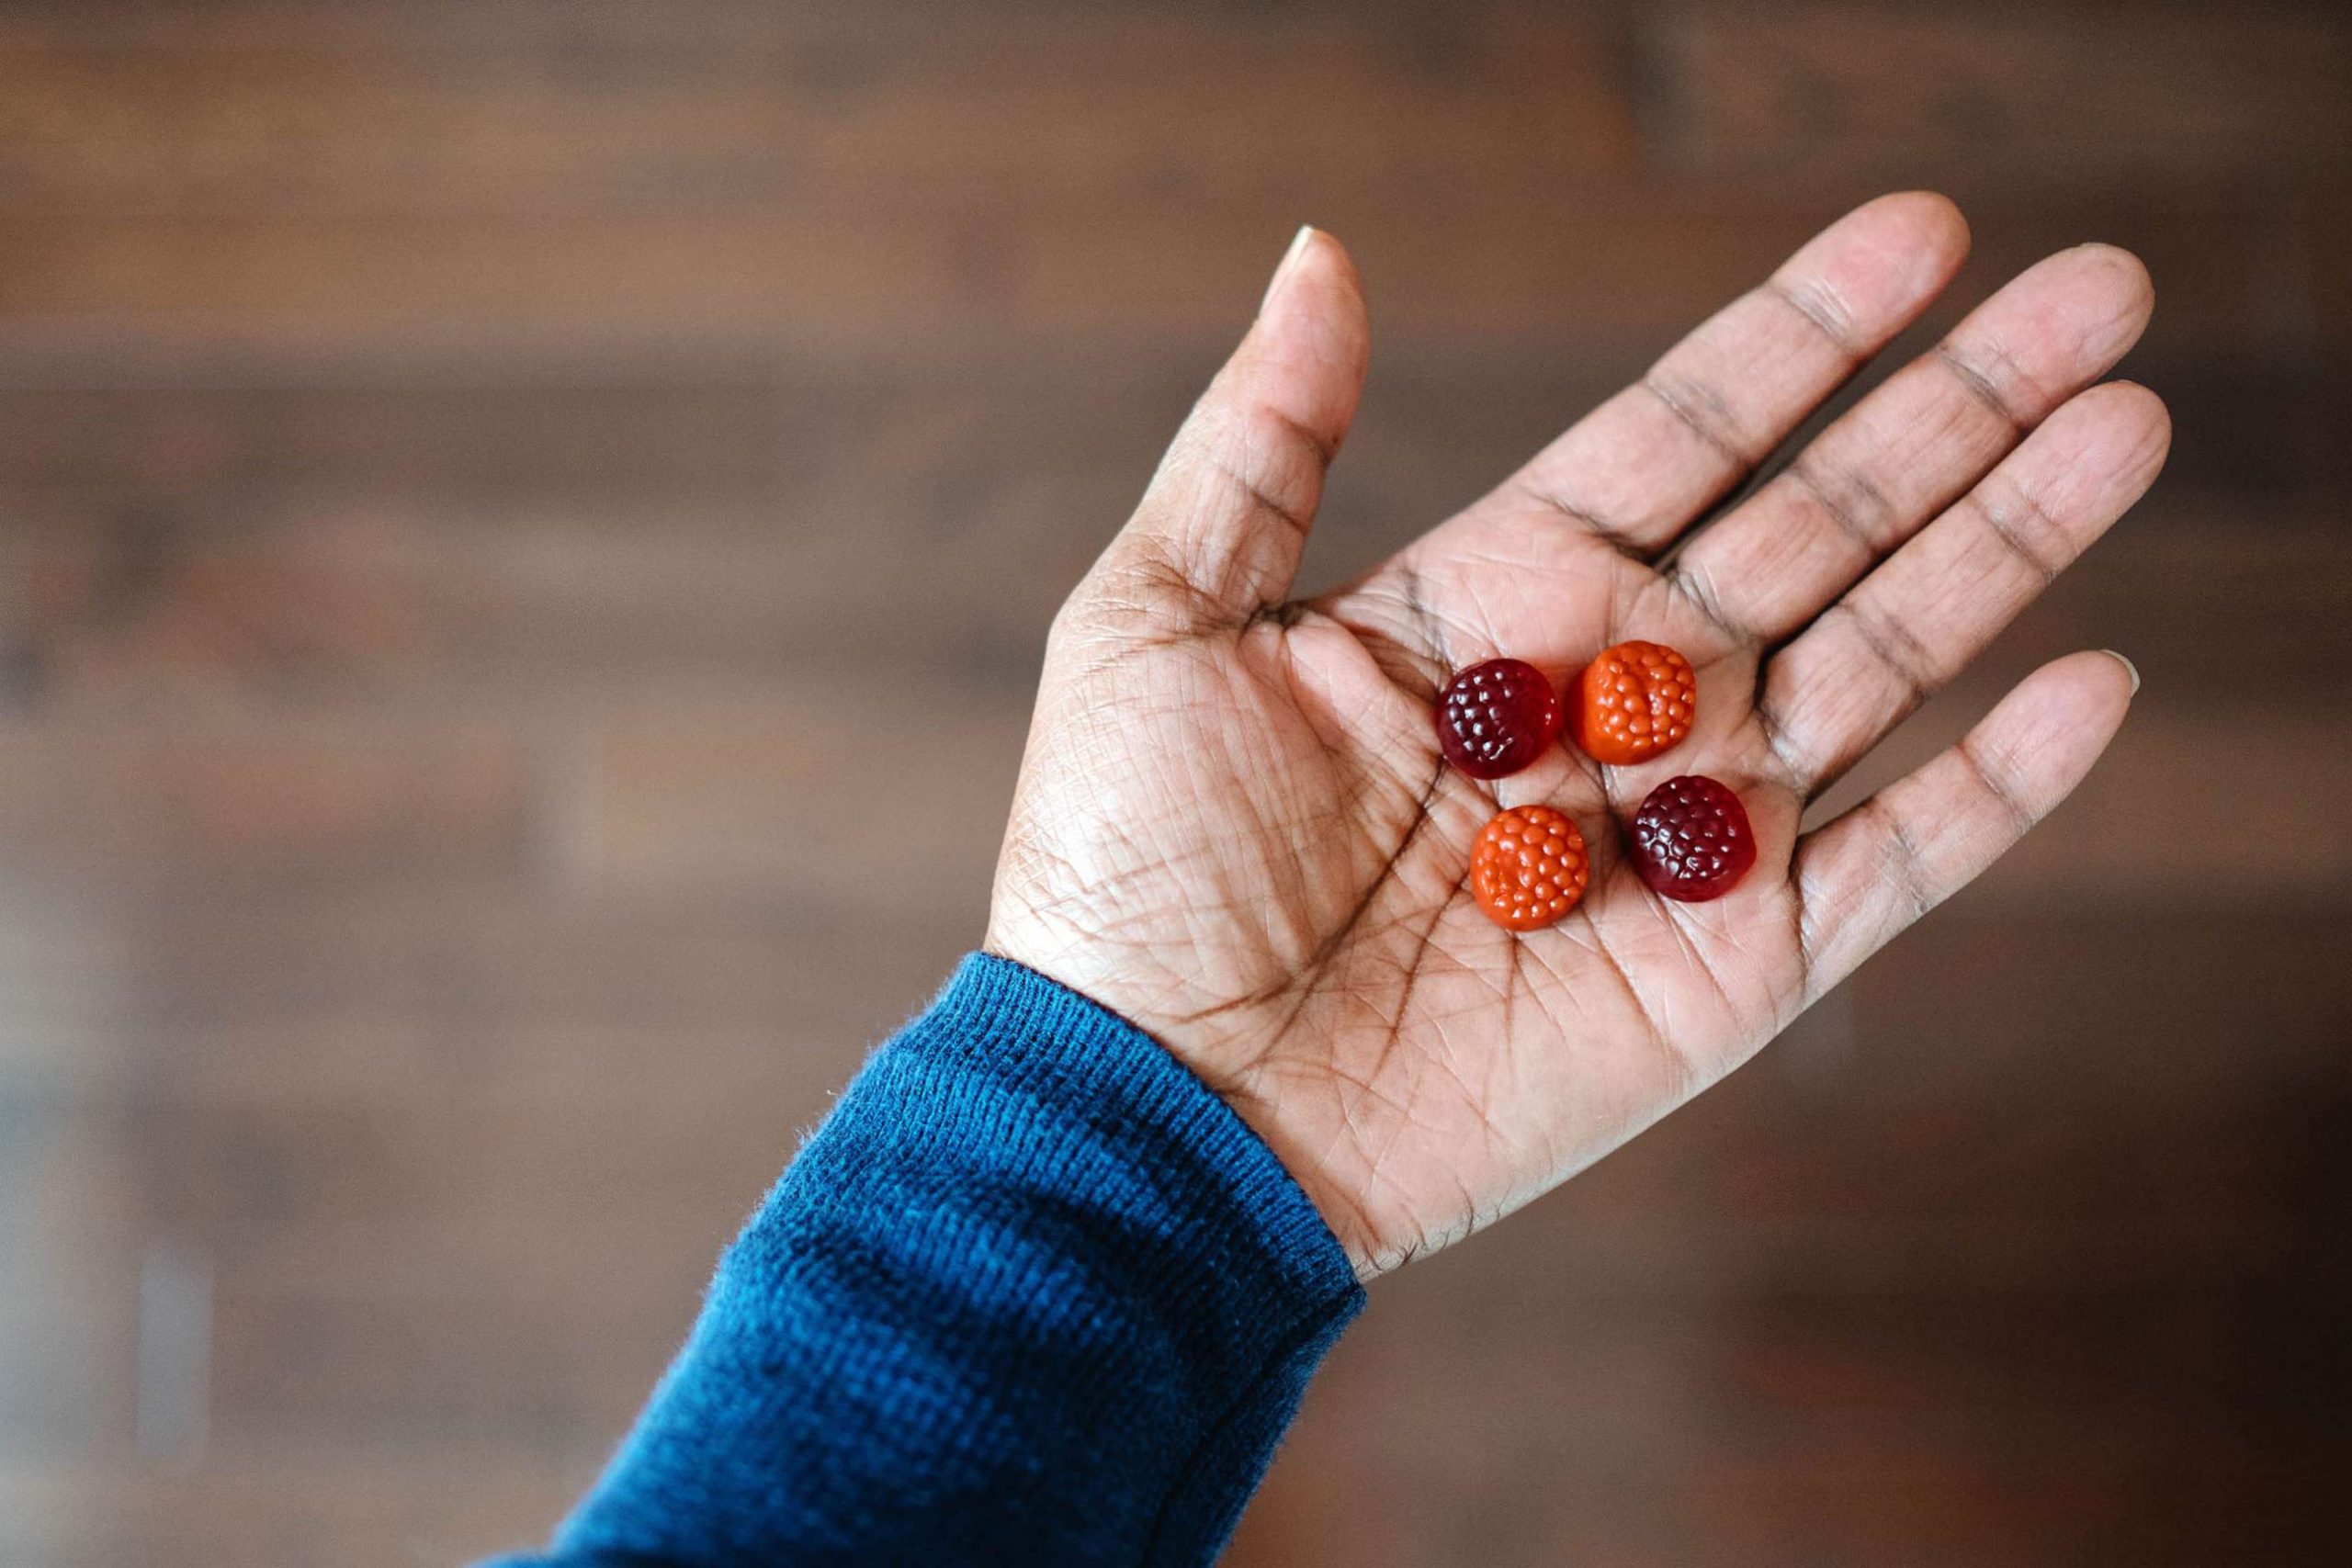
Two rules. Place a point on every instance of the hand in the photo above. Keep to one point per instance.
(1233, 826)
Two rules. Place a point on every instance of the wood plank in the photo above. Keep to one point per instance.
(215, 441)
(68, 1311)
(914, 278)
(388, 976)
(317, 536)
(259, 792)
(2193, 801)
(2040, 94)
(291, 1507)
(453, 534)
(1455, 1489)
(2327, 237)
(555, 115)
(2261, 440)
(2166, 998)
(530, 170)
(866, 793)
(1805, 1372)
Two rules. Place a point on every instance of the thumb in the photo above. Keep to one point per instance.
(1219, 531)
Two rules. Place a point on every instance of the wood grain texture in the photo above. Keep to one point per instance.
(470, 471)
(2071, 94)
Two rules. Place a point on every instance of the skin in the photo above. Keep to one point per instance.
(1233, 826)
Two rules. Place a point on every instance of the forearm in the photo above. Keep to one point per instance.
(1032, 1294)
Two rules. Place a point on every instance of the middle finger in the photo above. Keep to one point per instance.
(1914, 446)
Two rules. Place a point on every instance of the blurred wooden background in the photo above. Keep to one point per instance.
(471, 471)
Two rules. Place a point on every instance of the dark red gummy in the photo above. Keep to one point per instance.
(1692, 840)
(1496, 717)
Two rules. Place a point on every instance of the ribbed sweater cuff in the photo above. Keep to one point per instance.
(1032, 1294)
(1001, 1023)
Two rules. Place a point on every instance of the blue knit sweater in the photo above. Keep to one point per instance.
(1032, 1294)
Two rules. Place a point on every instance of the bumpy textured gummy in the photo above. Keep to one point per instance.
(1496, 717)
(1631, 702)
(1528, 867)
(1692, 840)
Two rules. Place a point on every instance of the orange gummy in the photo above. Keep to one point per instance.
(1631, 702)
(1528, 867)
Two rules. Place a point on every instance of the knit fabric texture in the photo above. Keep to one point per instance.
(1031, 1294)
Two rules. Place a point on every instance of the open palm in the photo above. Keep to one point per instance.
(1233, 825)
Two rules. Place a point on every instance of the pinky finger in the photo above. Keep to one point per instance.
(1864, 878)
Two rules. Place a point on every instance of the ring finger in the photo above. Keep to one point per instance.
(1914, 445)
(1917, 621)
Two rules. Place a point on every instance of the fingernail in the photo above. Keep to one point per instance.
(1290, 260)
(2130, 667)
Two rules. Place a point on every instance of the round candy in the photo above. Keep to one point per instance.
(1631, 702)
(1692, 840)
(1496, 717)
(1528, 867)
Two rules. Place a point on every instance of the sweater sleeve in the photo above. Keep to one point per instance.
(1032, 1294)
